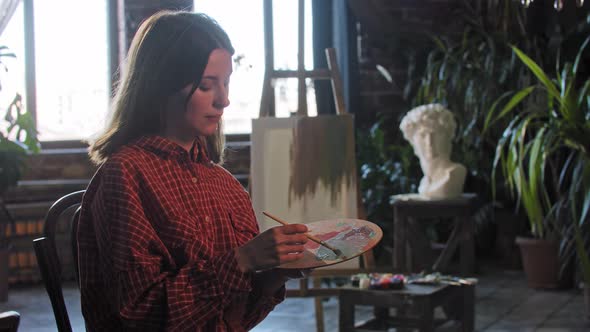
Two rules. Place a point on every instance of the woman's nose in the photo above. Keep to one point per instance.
(222, 98)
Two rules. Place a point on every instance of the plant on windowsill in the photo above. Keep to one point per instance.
(544, 154)
(18, 138)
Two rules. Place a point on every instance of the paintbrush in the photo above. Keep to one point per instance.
(309, 236)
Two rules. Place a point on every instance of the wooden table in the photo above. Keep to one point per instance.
(461, 209)
(414, 305)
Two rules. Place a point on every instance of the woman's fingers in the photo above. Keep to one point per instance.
(293, 229)
(286, 258)
(289, 249)
(281, 259)
(276, 246)
(291, 239)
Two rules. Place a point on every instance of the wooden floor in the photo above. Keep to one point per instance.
(503, 303)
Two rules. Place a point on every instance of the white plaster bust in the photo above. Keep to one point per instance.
(430, 129)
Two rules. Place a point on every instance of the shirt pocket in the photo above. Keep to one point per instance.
(179, 229)
(185, 238)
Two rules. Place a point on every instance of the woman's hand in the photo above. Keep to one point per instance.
(272, 248)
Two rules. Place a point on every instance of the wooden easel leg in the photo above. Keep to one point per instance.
(319, 306)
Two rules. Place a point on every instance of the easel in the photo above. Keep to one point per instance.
(267, 105)
(267, 109)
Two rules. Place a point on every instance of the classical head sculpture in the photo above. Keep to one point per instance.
(430, 130)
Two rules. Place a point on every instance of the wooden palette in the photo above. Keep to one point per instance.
(352, 236)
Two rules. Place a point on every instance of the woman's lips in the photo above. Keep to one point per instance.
(214, 118)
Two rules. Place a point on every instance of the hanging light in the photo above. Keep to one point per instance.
(558, 4)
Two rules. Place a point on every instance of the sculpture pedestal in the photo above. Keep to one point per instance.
(460, 209)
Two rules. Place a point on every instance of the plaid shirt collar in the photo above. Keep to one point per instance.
(168, 149)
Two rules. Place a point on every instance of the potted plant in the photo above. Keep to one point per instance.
(470, 73)
(544, 153)
(18, 138)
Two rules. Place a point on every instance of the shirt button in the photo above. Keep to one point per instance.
(207, 219)
(194, 180)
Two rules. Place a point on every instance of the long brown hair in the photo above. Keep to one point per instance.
(169, 51)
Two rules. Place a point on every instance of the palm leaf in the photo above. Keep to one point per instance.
(538, 72)
(514, 101)
(579, 55)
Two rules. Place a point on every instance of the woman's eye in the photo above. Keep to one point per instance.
(204, 88)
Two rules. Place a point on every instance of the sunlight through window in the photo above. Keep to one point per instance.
(72, 75)
(244, 23)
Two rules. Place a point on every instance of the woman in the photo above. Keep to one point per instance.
(167, 237)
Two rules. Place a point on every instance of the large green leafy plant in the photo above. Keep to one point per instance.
(468, 73)
(544, 153)
(475, 73)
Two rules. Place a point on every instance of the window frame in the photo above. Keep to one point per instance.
(117, 39)
(113, 53)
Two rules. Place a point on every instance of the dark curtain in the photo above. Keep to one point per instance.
(334, 26)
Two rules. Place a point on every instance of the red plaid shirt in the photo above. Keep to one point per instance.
(156, 238)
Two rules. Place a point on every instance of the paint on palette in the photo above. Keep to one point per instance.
(350, 243)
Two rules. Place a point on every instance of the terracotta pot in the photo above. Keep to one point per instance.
(540, 259)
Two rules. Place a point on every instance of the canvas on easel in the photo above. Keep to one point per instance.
(303, 170)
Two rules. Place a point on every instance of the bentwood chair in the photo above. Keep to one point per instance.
(9, 321)
(47, 254)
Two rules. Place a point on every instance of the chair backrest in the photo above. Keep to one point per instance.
(48, 259)
(9, 321)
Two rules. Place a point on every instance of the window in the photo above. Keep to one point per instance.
(71, 66)
(243, 21)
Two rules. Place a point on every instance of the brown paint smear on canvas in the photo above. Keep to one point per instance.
(322, 151)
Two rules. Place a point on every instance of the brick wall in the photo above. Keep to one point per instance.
(387, 29)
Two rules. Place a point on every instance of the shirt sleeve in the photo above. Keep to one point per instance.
(261, 306)
(148, 287)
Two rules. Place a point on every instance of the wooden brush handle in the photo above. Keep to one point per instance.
(309, 236)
